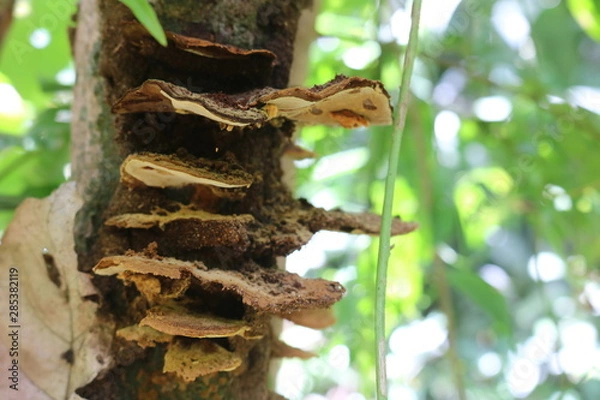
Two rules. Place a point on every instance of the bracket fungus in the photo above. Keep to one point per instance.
(286, 231)
(178, 320)
(144, 336)
(295, 226)
(205, 48)
(203, 229)
(162, 218)
(192, 359)
(266, 290)
(295, 152)
(217, 211)
(317, 318)
(202, 56)
(280, 349)
(162, 171)
(348, 102)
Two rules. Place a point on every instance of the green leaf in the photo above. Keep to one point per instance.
(557, 50)
(36, 49)
(587, 15)
(484, 295)
(144, 13)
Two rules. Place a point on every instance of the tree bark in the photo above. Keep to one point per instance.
(107, 66)
(6, 11)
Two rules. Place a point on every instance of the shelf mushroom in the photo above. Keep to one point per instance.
(348, 102)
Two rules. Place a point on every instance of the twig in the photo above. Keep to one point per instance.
(386, 224)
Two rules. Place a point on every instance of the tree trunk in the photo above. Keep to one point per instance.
(108, 64)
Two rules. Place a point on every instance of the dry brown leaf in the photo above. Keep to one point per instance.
(61, 345)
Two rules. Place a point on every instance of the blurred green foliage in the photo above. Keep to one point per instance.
(499, 166)
(36, 78)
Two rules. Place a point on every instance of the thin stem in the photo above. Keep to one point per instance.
(386, 223)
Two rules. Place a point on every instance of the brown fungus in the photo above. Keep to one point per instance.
(267, 290)
(190, 359)
(295, 152)
(349, 102)
(163, 218)
(204, 48)
(157, 289)
(281, 349)
(338, 102)
(202, 229)
(144, 336)
(319, 318)
(174, 319)
(294, 227)
(157, 170)
(355, 223)
(159, 96)
(167, 267)
(202, 56)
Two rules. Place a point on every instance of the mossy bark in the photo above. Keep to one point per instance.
(108, 65)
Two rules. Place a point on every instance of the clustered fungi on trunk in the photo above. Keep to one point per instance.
(196, 225)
